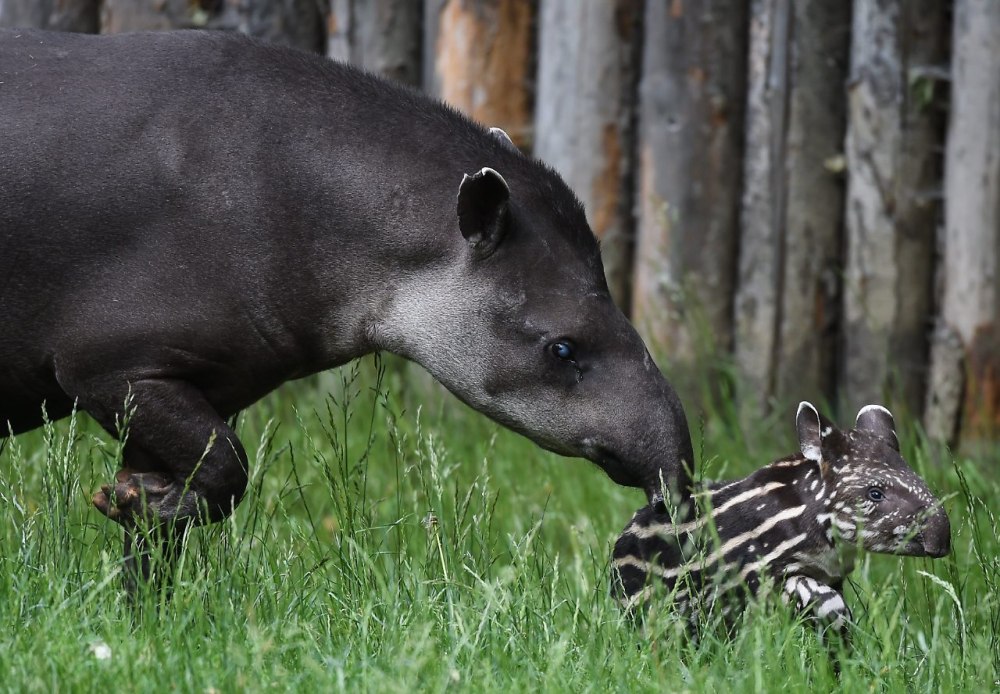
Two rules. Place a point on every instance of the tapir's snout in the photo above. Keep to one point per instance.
(936, 535)
(645, 441)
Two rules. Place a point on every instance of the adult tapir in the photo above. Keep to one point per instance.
(190, 219)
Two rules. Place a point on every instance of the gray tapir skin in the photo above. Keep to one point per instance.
(195, 218)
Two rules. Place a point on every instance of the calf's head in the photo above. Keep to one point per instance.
(870, 487)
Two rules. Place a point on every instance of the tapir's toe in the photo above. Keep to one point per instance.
(133, 494)
(102, 500)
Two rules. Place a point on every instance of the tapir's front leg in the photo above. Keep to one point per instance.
(183, 465)
(823, 602)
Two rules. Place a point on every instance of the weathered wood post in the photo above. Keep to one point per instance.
(894, 137)
(383, 36)
(144, 15)
(787, 299)
(58, 15)
(478, 58)
(588, 59)
(691, 103)
(964, 391)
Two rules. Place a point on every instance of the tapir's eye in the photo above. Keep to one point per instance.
(875, 494)
(562, 350)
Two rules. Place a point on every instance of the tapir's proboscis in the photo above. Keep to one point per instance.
(190, 219)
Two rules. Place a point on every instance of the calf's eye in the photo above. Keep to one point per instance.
(875, 494)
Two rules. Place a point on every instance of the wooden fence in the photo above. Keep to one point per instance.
(804, 195)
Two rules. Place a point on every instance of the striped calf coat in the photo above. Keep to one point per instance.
(793, 524)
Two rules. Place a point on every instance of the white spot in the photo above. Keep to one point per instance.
(100, 650)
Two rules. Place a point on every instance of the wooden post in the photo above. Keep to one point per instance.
(58, 15)
(894, 136)
(478, 58)
(380, 35)
(691, 104)
(787, 299)
(966, 349)
(145, 15)
(296, 23)
(588, 58)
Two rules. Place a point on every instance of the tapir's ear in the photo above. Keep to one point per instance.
(816, 432)
(878, 420)
(809, 428)
(482, 210)
(504, 138)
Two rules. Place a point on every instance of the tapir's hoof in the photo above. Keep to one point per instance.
(134, 494)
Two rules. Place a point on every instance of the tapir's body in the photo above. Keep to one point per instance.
(196, 218)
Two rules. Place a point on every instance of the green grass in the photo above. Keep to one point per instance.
(382, 548)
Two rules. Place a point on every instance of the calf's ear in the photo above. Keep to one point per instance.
(483, 211)
(878, 420)
(809, 428)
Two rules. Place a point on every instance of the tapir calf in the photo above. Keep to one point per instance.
(190, 219)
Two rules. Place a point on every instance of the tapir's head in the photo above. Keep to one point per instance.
(522, 327)
(869, 487)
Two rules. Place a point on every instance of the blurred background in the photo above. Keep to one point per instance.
(796, 200)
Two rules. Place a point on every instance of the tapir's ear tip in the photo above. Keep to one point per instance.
(879, 421)
(875, 409)
(503, 137)
(806, 406)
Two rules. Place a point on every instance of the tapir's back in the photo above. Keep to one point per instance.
(201, 193)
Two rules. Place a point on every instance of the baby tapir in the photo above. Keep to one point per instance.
(190, 219)
(793, 523)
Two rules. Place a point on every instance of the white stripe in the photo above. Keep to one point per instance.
(834, 603)
(667, 530)
(714, 557)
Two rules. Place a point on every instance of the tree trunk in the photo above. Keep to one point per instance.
(58, 15)
(478, 58)
(295, 23)
(380, 35)
(970, 305)
(894, 135)
(588, 58)
(691, 104)
(145, 15)
(787, 295)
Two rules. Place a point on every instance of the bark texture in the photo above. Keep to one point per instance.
(478, 58)
(58, 15)
(787, 299)
(894, 136)
(691, 102)
(146, 15)
(588, 57)
(380, 35)
(970, 305)
(295, 23)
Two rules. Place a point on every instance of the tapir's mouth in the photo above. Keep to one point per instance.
(614, 467)
(626, 475)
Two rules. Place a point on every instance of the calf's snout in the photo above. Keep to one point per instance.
(937, 534)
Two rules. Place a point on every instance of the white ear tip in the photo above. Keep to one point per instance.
(805, 405)
(487, 170)
(499, 133)
(876, 408)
